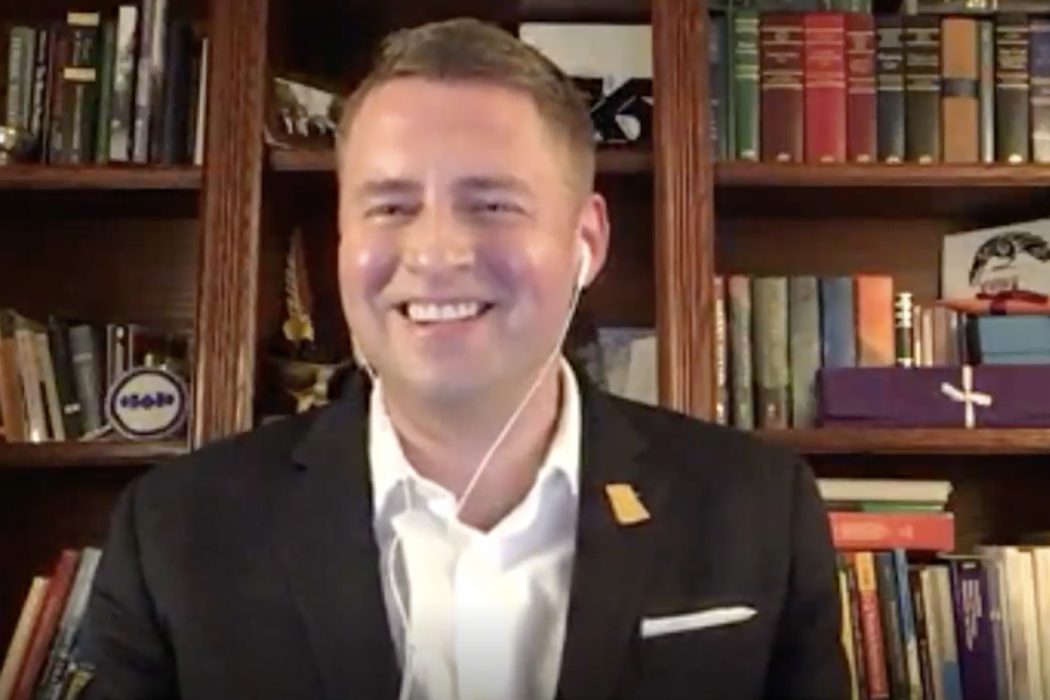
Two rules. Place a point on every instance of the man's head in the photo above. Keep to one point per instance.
(466, 167)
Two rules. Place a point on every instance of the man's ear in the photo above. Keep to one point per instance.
(593, 228)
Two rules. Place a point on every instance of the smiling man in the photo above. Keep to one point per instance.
(472, 519)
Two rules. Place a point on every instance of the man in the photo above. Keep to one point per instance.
(478, 522)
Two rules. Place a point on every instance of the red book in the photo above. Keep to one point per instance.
(915, 531)
(861, 123)
(40, 643)
(825, 81)
(871, 625)
(781, 49)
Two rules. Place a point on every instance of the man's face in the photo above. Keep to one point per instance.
(459, 233)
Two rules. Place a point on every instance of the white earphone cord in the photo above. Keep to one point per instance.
(402, 611)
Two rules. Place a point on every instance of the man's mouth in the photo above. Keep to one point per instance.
(442, 312)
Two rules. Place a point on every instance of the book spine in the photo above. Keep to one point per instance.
(51, 683)
(782, 49)
(934, 638)
(200, 130)
(84, 76)
(53, 404)
(32, 387)
(26, 75)
(54, 601)
(837, 322)
(1011, 89)
(61, 54)
(918, 597)
(143, 109)
(721, 354)
(951, 679)
(105, 92)
(16, 50)
(746, 95)
(857, 625)
(889, 60)
(873, 295)
(1039, 87)
(122, 116)
(12, 405)
(907, 624)
(1020, 578)
(19, 645)
(717, 74)
(1041, 565)
(825, 87)
(804, 348)
(72, 419)
(976, 654)
(912, 531)
(891, 624)
(922, 89)
(40, 63)
(960, 95)
(160, 69)
(770, 348)
(861, 124)
(86, 371)
(986, 34)
(740, 367)
(871, 623)
(846, 629)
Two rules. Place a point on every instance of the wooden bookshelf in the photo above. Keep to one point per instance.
(611, 161)
(51, 177)
(909, 175)
(87, 454)
(912, 441)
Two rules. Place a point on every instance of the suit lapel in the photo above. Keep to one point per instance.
(611, 561)
(323, 531)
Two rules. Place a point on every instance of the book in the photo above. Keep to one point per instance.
(738, 289)
(874, 318)
(746, 94)
(87, 371)
(945, 619)
(871, 625)
(65, 383)
(804, 349)
(1041, 567)
(770, 348)
(200, 129)
(32, 382)
(986, 87)
(922, 89)
(856, 624)
(107, 59)
(121, 127)
(911, 531)
(890, 87)
(974, 628)
(907, 624)
(895, 490)
(998, 608)
(960, 108)
(846, 630)
(1012, 129)
(861, 123)
(12, 406)
(50, 685)
(889, 607)
(838, 334)
(824, 87)
(52, 403)
(721, 355)
(717, 75)
(782, 117)
(1039, 87)
(16, 649)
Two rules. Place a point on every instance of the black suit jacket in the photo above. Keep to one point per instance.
(249, 569)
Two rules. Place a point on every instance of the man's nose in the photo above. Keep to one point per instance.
(436, 242)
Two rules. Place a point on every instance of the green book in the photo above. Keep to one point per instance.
(769, 346)
(745, 84)
(105, 90)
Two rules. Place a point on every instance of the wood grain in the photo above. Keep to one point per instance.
(58, 177)
(741, 174)
(946, 441)
(87, 454)
(224, 373)
(683, 206)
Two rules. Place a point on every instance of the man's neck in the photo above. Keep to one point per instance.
(447, 444)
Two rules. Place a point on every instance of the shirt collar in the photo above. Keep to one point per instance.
(389, 466)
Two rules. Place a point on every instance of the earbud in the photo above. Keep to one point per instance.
(585, 267)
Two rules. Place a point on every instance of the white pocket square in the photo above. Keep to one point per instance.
(689, 622)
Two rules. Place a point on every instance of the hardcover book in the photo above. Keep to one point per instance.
(890, 82)
(782, 58)
(861, 125)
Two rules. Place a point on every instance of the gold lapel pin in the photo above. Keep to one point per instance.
(627, 508)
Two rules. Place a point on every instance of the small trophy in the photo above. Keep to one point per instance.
(301, 374)
(15, 144)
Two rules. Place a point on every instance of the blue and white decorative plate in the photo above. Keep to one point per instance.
(147, 403)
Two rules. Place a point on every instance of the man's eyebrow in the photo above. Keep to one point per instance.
(387, 186)
(487, 183)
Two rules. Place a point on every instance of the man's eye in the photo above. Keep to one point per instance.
(386, 210)
(497, 207)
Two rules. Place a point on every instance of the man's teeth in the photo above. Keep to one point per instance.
(430, 313)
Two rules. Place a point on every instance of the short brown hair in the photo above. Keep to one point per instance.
(467, 49)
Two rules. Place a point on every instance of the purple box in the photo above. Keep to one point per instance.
(987, 396)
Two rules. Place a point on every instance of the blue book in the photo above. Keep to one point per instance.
(718, 87)
(838, 326)
(973, 628)
(1013, 335)
(912, 667)
(893, 639)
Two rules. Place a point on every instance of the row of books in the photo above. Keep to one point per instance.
(39, 661)
(620, 360)
(833, 87)
(99, 88)
(54, 377)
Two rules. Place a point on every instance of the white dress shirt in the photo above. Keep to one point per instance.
(486, 610)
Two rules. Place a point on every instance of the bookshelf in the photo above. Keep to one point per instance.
(205, 250)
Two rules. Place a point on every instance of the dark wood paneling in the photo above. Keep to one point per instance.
(683, 208)
(100, 258)
(843, 175)
(224, 374)
(42, 511)
(59, 177)
(843, 441)
(60, 455)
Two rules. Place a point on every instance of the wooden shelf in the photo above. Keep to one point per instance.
(933, 441)
(87, 454)
(744, 174)
(101, 177)
(611, 161)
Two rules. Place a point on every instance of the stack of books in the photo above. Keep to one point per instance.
(99, 88)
